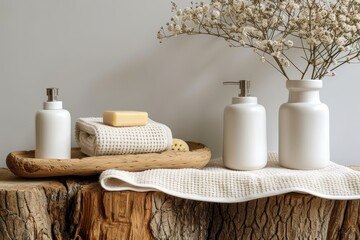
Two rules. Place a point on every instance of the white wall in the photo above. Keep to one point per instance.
(104, 55)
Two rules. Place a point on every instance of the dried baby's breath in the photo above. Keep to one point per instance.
(326, 33)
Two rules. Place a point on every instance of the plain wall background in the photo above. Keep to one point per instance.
(104, 55)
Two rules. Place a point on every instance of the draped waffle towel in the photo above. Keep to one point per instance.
(215, 183)
(96, 138)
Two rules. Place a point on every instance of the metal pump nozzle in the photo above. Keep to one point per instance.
(244, 86)
(52, 94)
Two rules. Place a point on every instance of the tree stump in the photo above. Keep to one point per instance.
(78, 208)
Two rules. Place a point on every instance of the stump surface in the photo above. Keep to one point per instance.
(78, 208)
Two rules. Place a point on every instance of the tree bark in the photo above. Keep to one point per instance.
(36, 209)
(77, 208)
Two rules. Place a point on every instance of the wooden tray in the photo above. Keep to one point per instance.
(23, 163)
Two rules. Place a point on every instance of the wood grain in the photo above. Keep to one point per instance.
(288, 216)
(23, 163)
(36, 208)
(112, 215)
(78, 208)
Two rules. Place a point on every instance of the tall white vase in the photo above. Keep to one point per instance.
(304, 127)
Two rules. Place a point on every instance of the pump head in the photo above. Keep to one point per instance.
(52, 94)
(244, 86)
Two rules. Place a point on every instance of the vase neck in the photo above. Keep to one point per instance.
(304, 90)
(304, 96)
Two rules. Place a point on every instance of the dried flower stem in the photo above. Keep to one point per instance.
(328, 32)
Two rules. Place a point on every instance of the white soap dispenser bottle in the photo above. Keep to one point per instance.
(53, 129)
(244, 131)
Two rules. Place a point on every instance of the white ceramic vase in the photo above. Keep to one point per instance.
(304, 127)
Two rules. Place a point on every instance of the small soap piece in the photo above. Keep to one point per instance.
(125, 118)
(180, 145)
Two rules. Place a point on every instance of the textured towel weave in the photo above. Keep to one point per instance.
(96, 138)
(215, 183)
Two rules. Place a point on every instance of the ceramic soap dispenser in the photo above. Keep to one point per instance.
(53, 129)
(244, 131)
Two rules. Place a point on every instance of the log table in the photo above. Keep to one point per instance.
(78, 208)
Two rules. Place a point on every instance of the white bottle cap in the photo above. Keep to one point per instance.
(53, 105)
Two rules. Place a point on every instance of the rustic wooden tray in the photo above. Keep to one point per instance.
(23, 163)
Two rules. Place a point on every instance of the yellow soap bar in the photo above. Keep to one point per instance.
(125, 118)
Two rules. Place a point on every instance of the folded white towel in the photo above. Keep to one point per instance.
(96, 138)
(215, 183)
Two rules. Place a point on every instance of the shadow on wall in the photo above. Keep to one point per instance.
(179, 83)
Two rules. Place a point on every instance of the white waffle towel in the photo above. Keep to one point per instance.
(96, 138)
(215, 183)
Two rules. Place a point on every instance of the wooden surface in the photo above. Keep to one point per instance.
(24, 164)
(77, 208)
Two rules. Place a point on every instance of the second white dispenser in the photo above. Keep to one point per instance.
(244, 131)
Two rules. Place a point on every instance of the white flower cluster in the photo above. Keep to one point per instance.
(327, 33)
